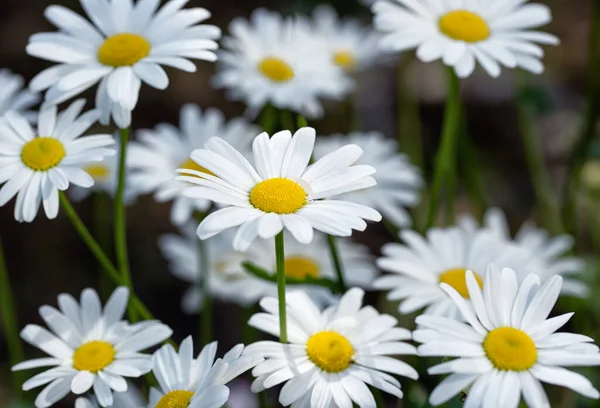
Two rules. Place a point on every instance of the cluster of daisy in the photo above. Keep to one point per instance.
(267, 218)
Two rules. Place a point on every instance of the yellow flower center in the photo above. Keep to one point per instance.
(42, 153)
(175, 399)
(510, 349)
(344, 59)
(330, 351)
(278, 195)
(189, 164)
(99, 172)
(276, 69)
(301, 267)
(463, 25)
(124, 49)
(93, 356)
(457, 278)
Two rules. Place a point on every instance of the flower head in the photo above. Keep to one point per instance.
(14, 97)
(90, 347)
(128, 399)
(492, 33)
(507, 344)
(398, 181)
(332, 355)
(122, 46)
(37, 163)
(153, 159)
(281, 190)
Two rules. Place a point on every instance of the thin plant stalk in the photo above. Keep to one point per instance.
(101, 230)
(120, 229)
(445, 161)
(280, 261)
(335, 257)
(588, 125)
(540, 180)
(8, 312)
(111, 271)
(206, 316)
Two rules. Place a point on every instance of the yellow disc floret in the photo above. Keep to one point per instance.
(175, 399)
(124, 49)
(344, 60)
(463, 25)
(93, 356)
(330, 351)
(510, 349)
(276, 69)
(99, 172)
(301, 267)
(42, 153)
(278, 195)
(189, 164)
(457, 278)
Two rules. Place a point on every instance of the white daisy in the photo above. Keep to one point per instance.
(37, 163)
(228, 280)
(283, 191)
(547, 256)
(153, 159)
(199, 382)
(14, 97)
(332, 355)
(90, 348)
(123, 46)
(507, 346)
(274, 60)
(351, 46)
(128, 399)
(461, 32)
(398, 181)
(420, 264)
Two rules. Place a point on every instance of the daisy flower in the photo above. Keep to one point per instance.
(332, 355)
(37, 163)
(153, 159)
(351, 46)
(128, 399)
(461, 33)
(547, 256)
(398, 181)
(90, 348)
(507, 346)
(122, 46)
(420, 264)
(14, 97)
(185, 381)
(281, 190)
(228, 280)
(274, 60)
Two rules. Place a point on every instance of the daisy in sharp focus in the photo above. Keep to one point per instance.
(493, 33)
(36, 163)
(276, 60)
(153, 159)
(14, 97)
(398, 181)
(89, 348)
(281, 190)
(547, 256)
(418, 266)
(507, 346)
(122, 46)
(332, 355)
(196, 382)
(229, 281)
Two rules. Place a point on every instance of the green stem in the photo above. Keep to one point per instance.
(409, 117)
(206, 317)
(120, 227)
(280, 260)
(134, 302)
(8, 312)
(471, 170)
(101, 220)
(588, 125)
(335, 257)
(538, 173)
(268, 119)
(445, 161)
(301, 121)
